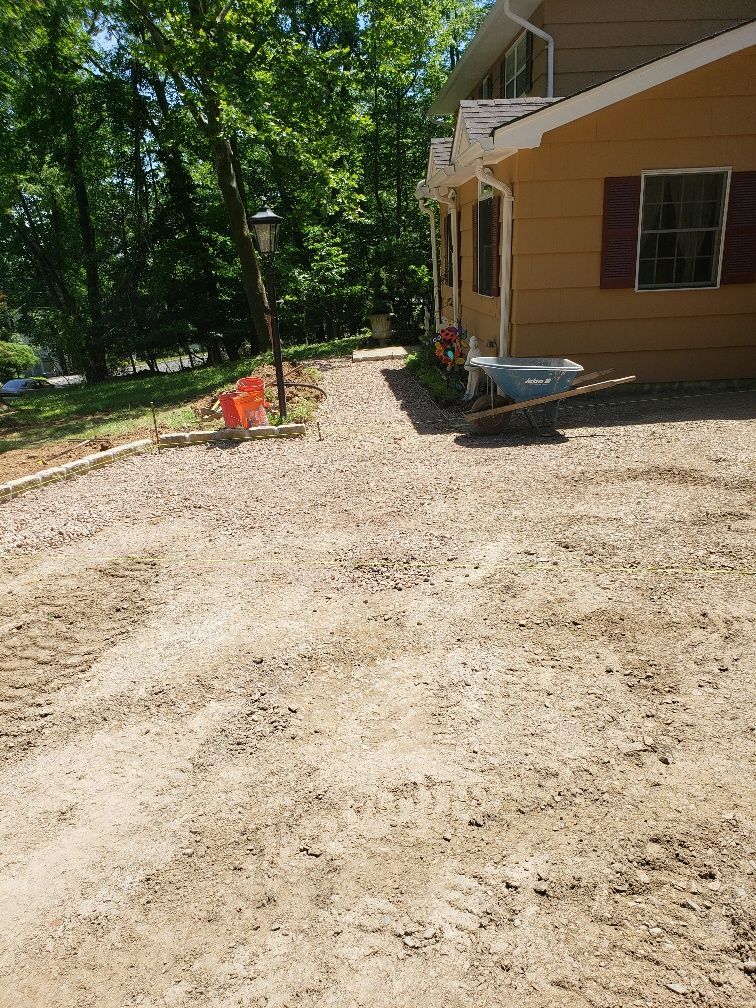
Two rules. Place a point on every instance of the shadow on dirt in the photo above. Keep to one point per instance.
(607, 410)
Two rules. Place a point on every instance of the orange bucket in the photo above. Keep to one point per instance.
(251, 408)
(251, 385)
(231, 417)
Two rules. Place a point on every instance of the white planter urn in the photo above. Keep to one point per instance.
(380, 327)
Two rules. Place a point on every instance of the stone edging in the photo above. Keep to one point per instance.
(230, 434)
(70, 470)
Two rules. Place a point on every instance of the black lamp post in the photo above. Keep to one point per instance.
(266, 225)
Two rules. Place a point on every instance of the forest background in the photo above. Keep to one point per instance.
(138, 136)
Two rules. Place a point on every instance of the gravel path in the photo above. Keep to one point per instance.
(402, 717)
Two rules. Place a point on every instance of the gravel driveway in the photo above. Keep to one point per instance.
(401, 717)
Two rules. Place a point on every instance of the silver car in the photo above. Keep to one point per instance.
(26, 386)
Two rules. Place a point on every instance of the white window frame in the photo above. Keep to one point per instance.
(485, 192)
(722, 227)
(521, 40)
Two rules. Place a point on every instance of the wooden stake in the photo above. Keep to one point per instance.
(154, 424)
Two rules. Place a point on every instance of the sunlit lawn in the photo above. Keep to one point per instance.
(123, 405)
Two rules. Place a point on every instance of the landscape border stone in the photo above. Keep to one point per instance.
(70, 470)
(177, 440)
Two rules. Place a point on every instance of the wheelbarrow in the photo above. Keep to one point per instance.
(527, 382)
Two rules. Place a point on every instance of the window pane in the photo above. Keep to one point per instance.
(648, 246)
(509, 65)
(665, 271)
(654, 188)
(666, 244)
(646, 273)
(681, 223)
(704, 269)
(651, 215)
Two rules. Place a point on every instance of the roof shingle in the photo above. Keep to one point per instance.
(482, 117)
(440, 151)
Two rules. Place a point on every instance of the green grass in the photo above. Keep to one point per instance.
(422, 364)
(122, 405)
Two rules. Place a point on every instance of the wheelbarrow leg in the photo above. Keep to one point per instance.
(549, 416)
(531, 420)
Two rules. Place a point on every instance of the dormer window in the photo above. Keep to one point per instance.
(516, 68)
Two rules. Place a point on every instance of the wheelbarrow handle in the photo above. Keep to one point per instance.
(527, 403)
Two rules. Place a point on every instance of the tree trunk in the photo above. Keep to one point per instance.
(182, 189)
(96, 367)
(254, 287)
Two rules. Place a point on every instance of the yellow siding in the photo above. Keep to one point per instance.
(558, 307)
(596, 39)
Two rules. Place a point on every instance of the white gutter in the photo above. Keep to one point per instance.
(450, 200)
(487, 177)
(430, 213)
(548, 39)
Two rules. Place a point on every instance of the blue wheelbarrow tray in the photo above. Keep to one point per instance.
(523, 378)
(528, 382)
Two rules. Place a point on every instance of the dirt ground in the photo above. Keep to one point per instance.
(19, 462)
(403, 717)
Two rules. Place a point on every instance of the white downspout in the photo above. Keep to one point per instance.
(451, 201)
(487, 177)
(431, 215)
(548, 39)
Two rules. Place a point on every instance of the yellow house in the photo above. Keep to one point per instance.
(615, 226)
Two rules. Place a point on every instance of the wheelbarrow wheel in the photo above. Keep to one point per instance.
(490, 424)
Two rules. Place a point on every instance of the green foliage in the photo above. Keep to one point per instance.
(424, 366)
(113, 234)
(15, 360)
(122, 405)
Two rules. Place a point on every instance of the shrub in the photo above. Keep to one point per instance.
(15, 360)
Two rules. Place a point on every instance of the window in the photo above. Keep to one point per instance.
(486, 87)
(681, 222)
(486, 228)
(516, 69)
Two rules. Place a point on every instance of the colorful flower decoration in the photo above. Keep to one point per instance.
(450, 345)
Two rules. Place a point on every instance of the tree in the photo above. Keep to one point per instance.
(135, 138)
(15, 360)
(193, 45)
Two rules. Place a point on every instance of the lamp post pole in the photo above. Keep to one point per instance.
(275, 338)
(266, 224)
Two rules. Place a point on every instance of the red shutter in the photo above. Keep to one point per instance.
(475, 246)
(495, 245)
(739, 253)
(445, 243)
(619, 245)
(459, 247)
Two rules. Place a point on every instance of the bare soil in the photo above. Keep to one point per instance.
(54, 451)
(402, 717)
